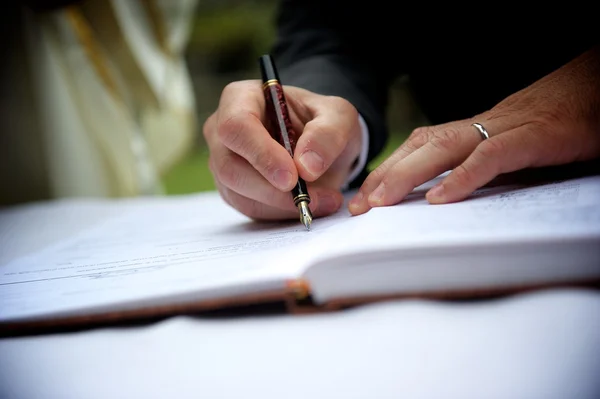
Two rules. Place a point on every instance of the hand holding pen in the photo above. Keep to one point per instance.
(256, 174)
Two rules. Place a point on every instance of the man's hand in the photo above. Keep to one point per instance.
(255, 174)
(554, 121)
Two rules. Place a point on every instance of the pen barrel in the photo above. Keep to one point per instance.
(279, 123)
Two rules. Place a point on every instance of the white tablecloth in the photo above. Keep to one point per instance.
(545, 345)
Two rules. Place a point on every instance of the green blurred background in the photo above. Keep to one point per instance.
(226, 39)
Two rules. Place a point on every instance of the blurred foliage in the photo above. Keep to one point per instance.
(190, 175)
(229, 36)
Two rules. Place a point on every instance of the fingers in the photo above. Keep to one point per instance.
(323, 203)
(235, 173)
(251, 208)
(444, 150)
(416, 140)
(504, 153)
(331, 136)
(427, 153)
(238, 126)
(254, 196)
(255, 174)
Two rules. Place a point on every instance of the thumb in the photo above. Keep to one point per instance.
(331, 137)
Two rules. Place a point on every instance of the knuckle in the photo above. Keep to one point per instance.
(266, 163)
(418, 137)
(230, 130)
(388, 180)
(224, 193)
(244, 206)
(491, 149)
(421, 132)
(341, 104)
(374, 178)
(234, 88)
(490, 152)
(409, 146)
(208, 126)
(326, 140)
(228, 172)
(547, 120)
(445, 139)
(255, 210)
(212, 165)
(259, 156)
(343, 107)
(397, 177)
(248, 209)
(462, 175)
(338, 140)
(234, 135)
(539, 124)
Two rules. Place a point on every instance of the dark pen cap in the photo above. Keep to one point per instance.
(267, 68)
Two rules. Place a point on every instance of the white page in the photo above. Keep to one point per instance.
(30, 227)
(184, 248)
(557, 210)
(190, 248)
(500, 237)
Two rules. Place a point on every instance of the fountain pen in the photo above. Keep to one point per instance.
(280, 127)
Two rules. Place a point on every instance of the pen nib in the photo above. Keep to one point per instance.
(305, 215)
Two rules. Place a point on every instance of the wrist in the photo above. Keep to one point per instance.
(361, 160)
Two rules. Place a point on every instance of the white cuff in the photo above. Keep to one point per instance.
(364, 152)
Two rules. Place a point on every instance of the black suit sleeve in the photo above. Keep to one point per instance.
(328, 48)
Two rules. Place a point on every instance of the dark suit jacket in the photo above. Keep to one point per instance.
(459, 62)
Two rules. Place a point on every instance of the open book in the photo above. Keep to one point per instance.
(148, 257)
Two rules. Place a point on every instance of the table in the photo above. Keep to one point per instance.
(538, 345)
(542, 345)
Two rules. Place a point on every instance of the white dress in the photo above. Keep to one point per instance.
(96, 100)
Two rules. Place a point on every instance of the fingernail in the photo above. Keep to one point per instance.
(357, 199)
(312, 162)
(436, 192)
(328, 204)
(377, 195)
(282, 179)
